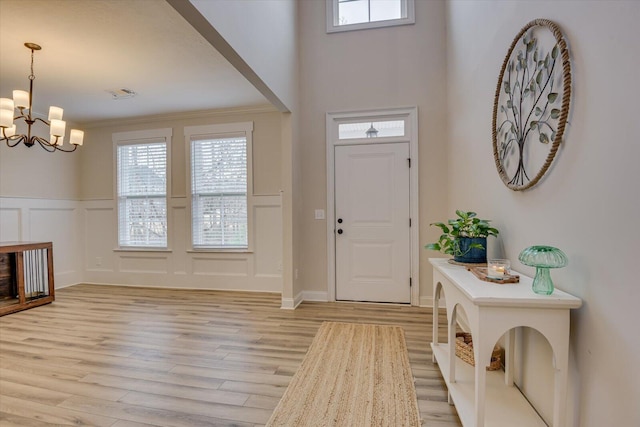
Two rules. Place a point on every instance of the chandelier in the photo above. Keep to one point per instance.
(22, 101)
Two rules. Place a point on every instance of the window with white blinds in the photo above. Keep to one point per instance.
(219, 191)
(142, 193)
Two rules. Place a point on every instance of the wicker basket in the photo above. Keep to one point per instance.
(464, 350)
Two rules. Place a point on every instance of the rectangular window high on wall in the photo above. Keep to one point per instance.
(347, 15)
(219, 160)
(142, 183)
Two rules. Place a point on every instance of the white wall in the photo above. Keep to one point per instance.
(258, 37)
(377, 68)
(587, 205)
(36, 173)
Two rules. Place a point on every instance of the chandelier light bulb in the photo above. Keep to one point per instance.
(21, 98)
(55, 113)
(58, 127)
(56, 140)
(10, 131)
(6, 104)
(6, 118)
(76, 136)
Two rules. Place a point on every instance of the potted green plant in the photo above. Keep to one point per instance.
(464, 237)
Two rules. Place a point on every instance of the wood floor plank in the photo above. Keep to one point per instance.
(176, 417)
(168, 389)
(140, 357)
(52, 414)
(227, 412)
(271, 390)
(36, 394)
(11, 420)
(64, 385)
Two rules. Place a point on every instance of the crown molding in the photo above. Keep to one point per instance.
(257, 109)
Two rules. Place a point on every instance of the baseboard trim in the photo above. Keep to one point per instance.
(315, 296)
(426, 301)
(291, 303)
(177, 288)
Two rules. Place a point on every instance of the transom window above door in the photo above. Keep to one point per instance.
(371, 129)
(347, 15)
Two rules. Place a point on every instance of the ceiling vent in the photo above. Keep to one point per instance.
(121, 93)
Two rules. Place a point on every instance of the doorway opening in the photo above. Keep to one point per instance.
(372, 206)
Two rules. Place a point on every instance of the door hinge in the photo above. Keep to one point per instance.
(409, 160)
(410, 284)
(409, 222)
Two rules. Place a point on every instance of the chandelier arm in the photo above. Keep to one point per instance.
(45, 144)
(17, 139)
(52, 147)
(38, 119)
(65, 150)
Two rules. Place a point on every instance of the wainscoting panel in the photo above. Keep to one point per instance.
(268, 238)
(143, 263)
(179, 266)
(100, 225)
(59, 225)
(222, 267)
(10, 224)
(181, 227)
(47, 220)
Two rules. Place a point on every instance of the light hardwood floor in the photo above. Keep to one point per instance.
(134, 357)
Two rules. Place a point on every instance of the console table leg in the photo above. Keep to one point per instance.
(481, 374)
(452, 346)
(561, 362)
(482, 355)
(509, 358)
(436, 326)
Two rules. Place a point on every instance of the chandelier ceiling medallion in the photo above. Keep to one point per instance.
(22, 101)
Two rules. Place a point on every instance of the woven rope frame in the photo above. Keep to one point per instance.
(564, 111)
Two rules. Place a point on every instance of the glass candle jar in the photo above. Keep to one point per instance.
(498, 268)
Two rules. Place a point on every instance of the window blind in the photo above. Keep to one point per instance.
(219, 192)
(142, 194)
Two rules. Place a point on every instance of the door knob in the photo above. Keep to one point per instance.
(340, 231)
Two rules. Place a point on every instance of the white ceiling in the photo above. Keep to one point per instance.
(92, 46)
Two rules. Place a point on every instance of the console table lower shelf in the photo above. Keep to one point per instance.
(505, 405)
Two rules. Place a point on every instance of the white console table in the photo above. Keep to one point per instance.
(489, 398)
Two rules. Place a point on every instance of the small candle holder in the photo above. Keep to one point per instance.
(498, 268)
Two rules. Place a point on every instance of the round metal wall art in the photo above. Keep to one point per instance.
(531, 104)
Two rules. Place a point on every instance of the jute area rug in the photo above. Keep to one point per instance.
(352, 375)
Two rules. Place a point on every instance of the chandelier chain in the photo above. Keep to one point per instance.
(32, 76)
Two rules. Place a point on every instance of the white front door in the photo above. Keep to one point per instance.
(373, 258)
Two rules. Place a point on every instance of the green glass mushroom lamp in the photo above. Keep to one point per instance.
(543, 258)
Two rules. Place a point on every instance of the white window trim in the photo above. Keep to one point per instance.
(332, 19)
(221, 130)
(410, 117)
(141, 137)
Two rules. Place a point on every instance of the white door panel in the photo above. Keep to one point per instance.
(372, 211)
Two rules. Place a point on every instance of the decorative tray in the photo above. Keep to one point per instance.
(481, 273)
(467, 264)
